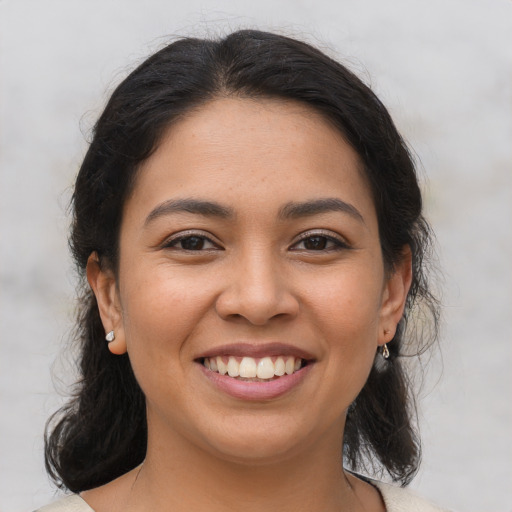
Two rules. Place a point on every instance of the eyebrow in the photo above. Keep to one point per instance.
(195, 206)
(317, 206)
(292, 210)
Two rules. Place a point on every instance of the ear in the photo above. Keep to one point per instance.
(394, 297)
(103, 284)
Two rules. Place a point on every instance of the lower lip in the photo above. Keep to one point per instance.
(246, 390)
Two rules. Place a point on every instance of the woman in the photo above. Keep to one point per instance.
(250, 225)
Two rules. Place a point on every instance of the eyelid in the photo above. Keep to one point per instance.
(181, 235)
(340, 241)
(334, 237)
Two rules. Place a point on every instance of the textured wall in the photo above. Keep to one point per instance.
(443, 67)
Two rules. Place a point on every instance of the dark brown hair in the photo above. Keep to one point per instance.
(101, 433)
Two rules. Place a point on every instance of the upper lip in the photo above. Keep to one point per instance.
(257, 350)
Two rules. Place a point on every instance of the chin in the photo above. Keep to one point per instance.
(257, 442)
(255, 451)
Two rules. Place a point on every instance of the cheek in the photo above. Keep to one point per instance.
(158, 320)
(346, 319)
(348, 302)
(160, 313)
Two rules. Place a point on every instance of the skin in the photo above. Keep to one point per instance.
(257, 278)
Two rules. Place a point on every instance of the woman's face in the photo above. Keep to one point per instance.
(250, 245)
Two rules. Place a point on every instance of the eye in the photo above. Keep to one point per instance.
(319, 242)
(191, 242)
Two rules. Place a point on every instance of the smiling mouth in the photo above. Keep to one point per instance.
(254, 369)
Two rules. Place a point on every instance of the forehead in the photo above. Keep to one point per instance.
(251, 152)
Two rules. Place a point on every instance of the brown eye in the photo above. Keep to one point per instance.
(192, 243)
(315, 243)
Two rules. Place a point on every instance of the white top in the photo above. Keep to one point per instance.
(398, 499)
(395, 498)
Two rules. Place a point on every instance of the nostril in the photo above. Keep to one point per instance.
(256, 299)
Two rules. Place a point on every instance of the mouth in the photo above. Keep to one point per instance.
(254, 369)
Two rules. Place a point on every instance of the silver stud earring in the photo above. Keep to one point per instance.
(110, 336)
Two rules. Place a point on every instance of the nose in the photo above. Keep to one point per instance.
(257, 290)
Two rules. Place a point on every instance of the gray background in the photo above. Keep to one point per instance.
(443, 67)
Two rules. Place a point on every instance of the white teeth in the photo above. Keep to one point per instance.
(280, 367)
(233, 367)
(250, 368)
(247, 368)
(221, 366)
(265, 368)
(289, 365)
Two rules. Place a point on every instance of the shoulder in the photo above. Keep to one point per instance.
(71, 503)
(398, 499)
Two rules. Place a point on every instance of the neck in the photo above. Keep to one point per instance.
(179, 476)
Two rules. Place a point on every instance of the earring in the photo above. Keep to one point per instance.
(110, 336)
(385, 351)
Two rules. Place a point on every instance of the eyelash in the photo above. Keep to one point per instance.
(182, 237)
(336, 244)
